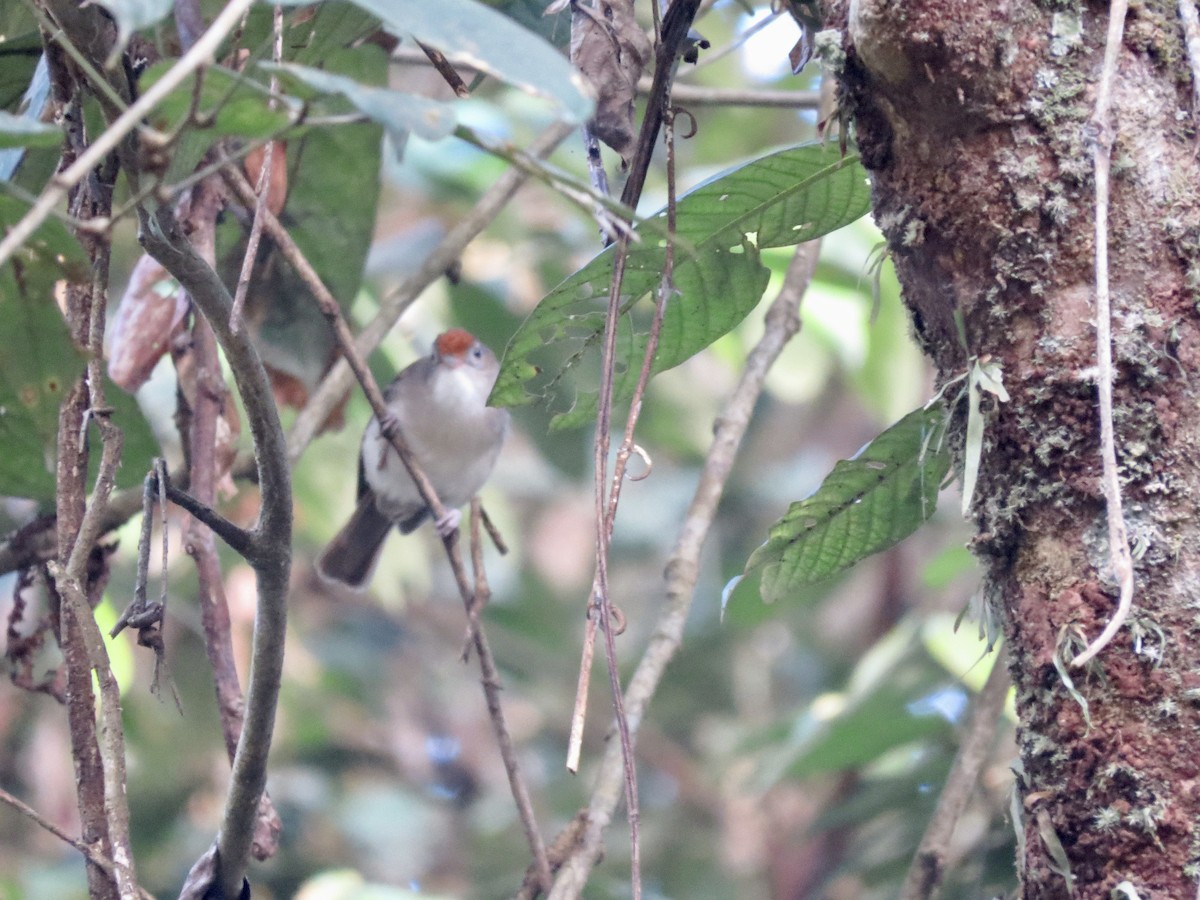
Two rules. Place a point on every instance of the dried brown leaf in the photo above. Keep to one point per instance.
(150, 314)
(611, 50)
(277, 187)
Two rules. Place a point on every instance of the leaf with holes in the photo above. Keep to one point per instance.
(867, 504)
(781, 199)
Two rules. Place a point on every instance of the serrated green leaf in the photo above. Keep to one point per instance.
(397, 112)
(784, 198)
(470, 33)
(867, 504)
(19, 131)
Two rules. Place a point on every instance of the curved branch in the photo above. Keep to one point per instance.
(270, 541)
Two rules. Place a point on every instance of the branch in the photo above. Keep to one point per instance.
(1118, 541)
(682, 571)
(929, 865)
(90, 853)
(239, 540)
(271, 539)
(200, 54)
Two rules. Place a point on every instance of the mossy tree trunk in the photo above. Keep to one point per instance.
(973, 118)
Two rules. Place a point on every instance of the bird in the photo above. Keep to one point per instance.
(440, 405)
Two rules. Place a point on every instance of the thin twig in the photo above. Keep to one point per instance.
(263, 189)
(674, 30)
(1102, 142)
(929, 865)
(438, 60)
(1191, 40)
(782, 322)
(240, 540)
(200, 54)
(701, 95)
(684, 94)
(93, 856)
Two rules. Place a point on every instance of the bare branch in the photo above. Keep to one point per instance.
(1118, 541)
(928, 866)
(90, 853)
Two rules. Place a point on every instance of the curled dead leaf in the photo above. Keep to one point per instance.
(150, 314)
(611, 50)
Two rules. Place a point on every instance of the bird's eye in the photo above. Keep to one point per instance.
(477, 352)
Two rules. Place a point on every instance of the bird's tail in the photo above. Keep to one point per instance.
(351, 556)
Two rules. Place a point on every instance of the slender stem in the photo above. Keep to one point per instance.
(683, 566)
(1118, 540)
(89, 852)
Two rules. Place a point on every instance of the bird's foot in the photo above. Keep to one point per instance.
(447, 524)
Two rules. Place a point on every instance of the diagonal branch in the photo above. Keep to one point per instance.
(201, 53)
(928, 866)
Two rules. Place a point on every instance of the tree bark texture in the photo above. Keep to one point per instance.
(973, 119)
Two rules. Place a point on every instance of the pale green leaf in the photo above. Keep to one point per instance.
(397, 112)
(134, 15)
(475, 35)
(22, 131)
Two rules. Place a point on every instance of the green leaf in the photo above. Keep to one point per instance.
(787, 197)
(230, 104)
(897, 695)
(397, 112)
(333, 177)
(20, 131)
(134, 15)
(40, 363)
(470, 33)
(867, 504)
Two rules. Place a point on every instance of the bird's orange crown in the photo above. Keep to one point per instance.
(454, 342)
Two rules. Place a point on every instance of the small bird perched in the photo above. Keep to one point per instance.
(440, 404)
